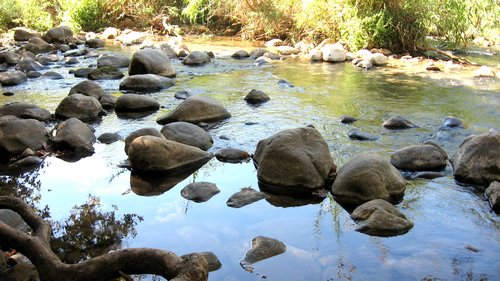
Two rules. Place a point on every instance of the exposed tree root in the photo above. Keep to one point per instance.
(37, 249)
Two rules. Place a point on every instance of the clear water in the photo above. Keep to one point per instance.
(322, 244)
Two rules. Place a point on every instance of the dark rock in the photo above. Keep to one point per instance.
(106, 73)
(79, 106)
(18, 134)
(24, 34)
(182, 95)
(141, 132)
(232, 155)
(294, 161)
(27, 162)
(199, 191)
(256, 97)
(151, 61)
(245, 196)
(286, 84)
(109, 138)
(8, 94)
(493, 195)
(452, 122)
(196, 109)
(365, 177)
(380, 218)
(362, 136)
(87, 88)
(28, 64)
(149, 154)
(257, 53)
(146, 83)
(241, 54)
(95, 43)
(38, 45)
(196, 58)
(397, 123)
(33, 74)
(75, 136)
(51, 75)
(117, 61)
(108, 101)
(71, 61)
(83, 72)
(75, 53)
(347, 119)
(9, 58)
(25, 111)
(136, 103)
(423, 157)
(60, 34)
(477, 160)
(12, 78)
(262, 248)
(188, 134)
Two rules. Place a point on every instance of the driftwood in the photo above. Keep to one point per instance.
(36, 248)
(447, 54)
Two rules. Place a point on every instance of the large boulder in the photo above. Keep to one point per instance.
(380, 218)
(88, 88)
(146, 83)
(60, 34)
(153, 61)
(365, 177)
(25, 111)
(24, 34)
(378, 59)
(75, 136)
(196, 58)
(188, 133)
(196, 109)
(294, 161)
(13, 78)
(141, 132)
(477, 160)
(16, 135)
(118, 61)
(136, 103)
(38, 45)
(424, 157)
(334, 53)
(79, 106)
(149, 154)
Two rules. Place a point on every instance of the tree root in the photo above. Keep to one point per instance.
(36, 248)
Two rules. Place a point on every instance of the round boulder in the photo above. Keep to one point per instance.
(75, 136)
(241, 54)
(153, 61)
(232, 155)
(149, 154)
(38, 45)
(141, 132)
(424, 157)
(13, 78)
(24, 34)
(60, 34)
(25, 111)
(187, 133)
(118, 61)
(452, 122)
(136, 103)
(106, 73)
(334, 53)
(16, 135)
(146, 83)
(28, 64)
(256, 97)
(79, 106)
(88, 88)
(95, 43)
(294, 161)
(9, 58)
(196, 109)
(365, 177)
(378, 59)
(109, 138)
(477, 160)
(196, 58)
(397, 123)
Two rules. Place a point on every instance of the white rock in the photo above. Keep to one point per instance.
(378, 59)
(484, 71)
(334, 53)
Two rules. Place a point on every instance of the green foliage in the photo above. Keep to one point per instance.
(8, 12)
(37, 15)
(85, 14)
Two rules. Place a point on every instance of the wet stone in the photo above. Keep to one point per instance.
(347, 119)
(109, 138)
(356, 134)
(199, 191)
(245, 196)
(452, 122)
(232, 155)
(397, 123)
(182, 95)
(256, 97)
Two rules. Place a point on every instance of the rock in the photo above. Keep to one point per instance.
(256, 97)
(51, 75)
(95, 43)
(287, 50)
(362, 63)
(33, 74)
(424, 157)
(232, 155)
(452, 122)
(315, 55)
(136, 103)
(83, 72)
(60, 34)
(149, 154)
(257, 53)
(38, 45)
(274, 43)
(196, 58)
(118, 61)
(108, 101)
(378, 59)
(151, 61)
(347, 119)
(241, 54)
(362, 136)
(262, 248)
(365, 177)
(477, 160)
(12, 78)
(196, 109)
(484, 71)
(110, 33)
(334, 53)
(28, 64)
(432, 67)
(284, 83)
(109, 138)
(182, 95)
(88, 88)
(245, 196)
(169, 51)
(16, 135)
(188, 134)
(380, 218)
(493, 195)
(146, 83)
(24, 34)
(141, 132)
(428, 175)
(397, 123)
(106, 73)
(79, 106)
(262, 60)
(199, 191)
(131, 38)
(25, 111)
(9, 58)
(75, 136)
(294, 161)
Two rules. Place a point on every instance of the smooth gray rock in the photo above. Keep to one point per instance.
(196, 109)
(114, 60)
(199, 191)
(75, 136)
(151, 61)
(95, 43)
(397, 123)
(88, 88)
(83, 72)
(141, 132)
(357, 134)
(25, 111)
(136, 103)
(108, 101)
(28, 64)
(13, 78)
(196, 58)
(256, 97)
(380, 218)
(189, 134)
(109, 138)
(38, 46)
(9, 58)
(16, 135)
(60, 34)
(51, 75)
(79, 106)
(241, 54)
(245, 196)
(232, 155)
(146, 83)
(262, 248)
(106, 73)
(28, 162)
(347, 119)
(424, 157)
(365, 177)
(24, 34)
(493, 195)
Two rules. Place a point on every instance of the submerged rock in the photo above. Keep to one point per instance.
(232, 155)
(397, 123)
(188, 133)
(356, 134)
(347, 119)
(452, 122)
(380, 218)
(262, 248)
(196, 109)
(182, 95)
(109, 138)
(425, 157)
(199, 191)
(106, 73)
(75, 136)
(493, 195)
(365, 177)
(245, 196)
(256, 97)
